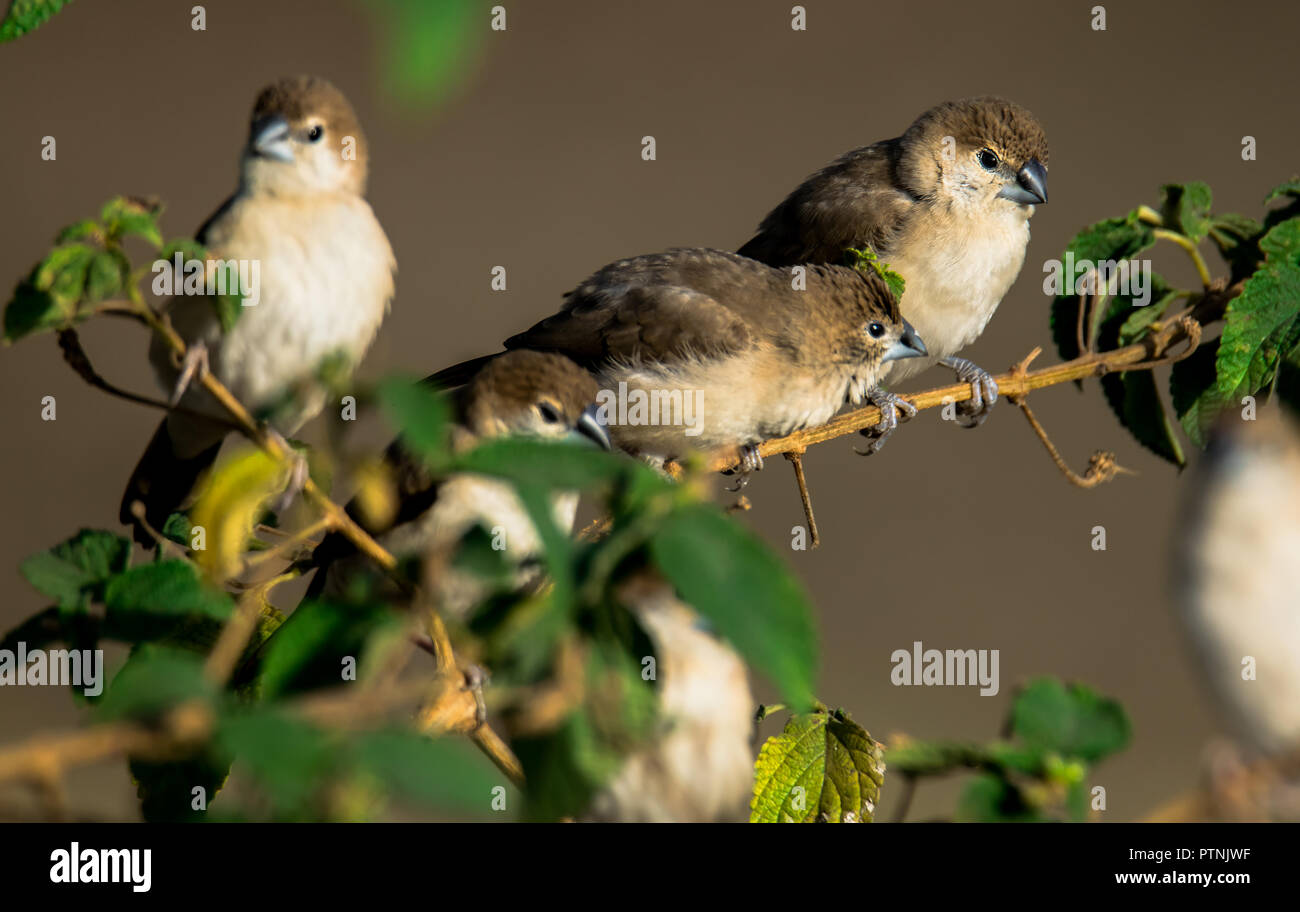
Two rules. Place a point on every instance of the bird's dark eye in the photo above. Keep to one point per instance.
(875, 330)
(548, 412)
(988, 159)
(315, 133)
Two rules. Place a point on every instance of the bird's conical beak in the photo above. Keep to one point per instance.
(1030, 186)
(909, 345)
(269, 138)
(589, 428)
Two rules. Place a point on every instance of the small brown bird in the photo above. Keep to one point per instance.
(522, 393)
(946, 205)
(324, 272)
(706, 350)
(699, 767)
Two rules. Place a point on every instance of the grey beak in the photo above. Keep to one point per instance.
(909, 345)
(270, 139)
(1030, 186)
(590, 428)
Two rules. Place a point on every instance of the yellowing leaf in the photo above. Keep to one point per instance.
(823, 767)
(376, 496)
(231, 501)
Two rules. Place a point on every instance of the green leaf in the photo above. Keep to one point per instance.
(866, 258)
(1255, 328)
(1236, 236)
(1185, 208)
(1191, 380)
(80, 231)
(228, 308)
(152, 600)
(822, 767)
(74, 572)
(1071, 720)
(290, 758)
(177, 528)
(1288, 371)
(430, 47)
(1289, 188)
(552, 465)
(991, 799)
(729, 576)
(26, 15)
(105, 277)
(1134, 398)
(1112, 239)
(155, 679)
(31, 310)
(123, 216)
(1140, 319)
(166, 790)
(188, 248)
(421, 415)
(445, 773)
(309, 649)
(1282, 243)
(62, 275)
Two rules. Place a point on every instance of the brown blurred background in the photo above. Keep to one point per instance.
(531, 160)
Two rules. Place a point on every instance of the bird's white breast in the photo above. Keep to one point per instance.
(957, 269)
(741, 398)
(325, 279)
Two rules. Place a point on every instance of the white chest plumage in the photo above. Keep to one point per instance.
(325, 279)
(956, 278)
(739, 399)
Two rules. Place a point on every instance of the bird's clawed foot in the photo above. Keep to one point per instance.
(750, 462)
(890, 405)
(475, 677)
(194, 364)
(298, 473)
(983, 391)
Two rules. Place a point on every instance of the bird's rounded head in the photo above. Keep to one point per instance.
(976, 152)
(304, 138)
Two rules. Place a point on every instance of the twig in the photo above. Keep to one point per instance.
(905, 803)
(796, 459)
(187, 725)
(1101, 466)
(237, 631)
(289, 545)
(75, 355)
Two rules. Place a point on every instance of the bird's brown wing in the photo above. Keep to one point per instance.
(854, 201)
(647, 309)
(209, 232)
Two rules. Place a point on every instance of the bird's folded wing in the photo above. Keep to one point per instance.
(635, 323)
(856, 200)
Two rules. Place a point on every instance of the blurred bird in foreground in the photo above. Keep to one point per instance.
(324, 272)
(722, 351)
(699, 766)
(1237, 592)
(946, 205)
(525, 393)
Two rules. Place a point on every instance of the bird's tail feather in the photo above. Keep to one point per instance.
(161, 481)
(459, 374)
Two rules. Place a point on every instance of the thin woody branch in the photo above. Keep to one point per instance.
(47, 757)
